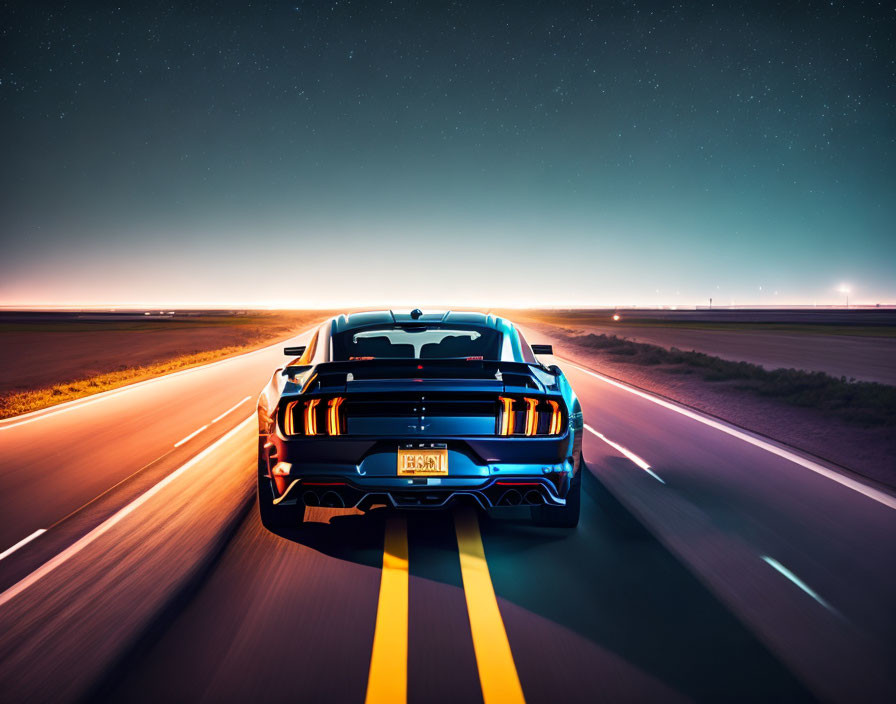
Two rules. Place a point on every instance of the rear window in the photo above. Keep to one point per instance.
(417, 342)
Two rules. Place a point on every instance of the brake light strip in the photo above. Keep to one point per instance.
(311, 416)
(333, 415)
(506, 415)
(288, 422)
(555, 418)
(531, 416)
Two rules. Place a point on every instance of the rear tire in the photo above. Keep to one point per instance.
(275, 517)
(563, 516)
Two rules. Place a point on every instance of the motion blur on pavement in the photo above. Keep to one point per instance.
(709, 563)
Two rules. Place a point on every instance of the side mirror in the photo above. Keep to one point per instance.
(543, 349)
(294, 351)
(555, 370)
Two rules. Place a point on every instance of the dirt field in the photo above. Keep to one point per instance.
(862, 349)
(52, 350)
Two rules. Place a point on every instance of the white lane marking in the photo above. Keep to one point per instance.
(870, 492)
(24, 541)
(232, 408)
(116, 518)
(190, 436)
(796, 580)
(628, 453)
(7, 423)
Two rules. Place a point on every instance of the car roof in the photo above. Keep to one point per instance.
(352, 321)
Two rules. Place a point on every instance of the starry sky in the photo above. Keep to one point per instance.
(466, 153)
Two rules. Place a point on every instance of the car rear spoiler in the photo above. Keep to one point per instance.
(473, 367)
(430, 371)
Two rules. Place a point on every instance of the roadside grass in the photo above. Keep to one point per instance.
(150, 324)
(251, 332)
(858, 402)
(19, 402)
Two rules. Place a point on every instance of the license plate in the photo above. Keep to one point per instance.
(422, 462)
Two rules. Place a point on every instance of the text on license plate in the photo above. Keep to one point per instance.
(419, 461)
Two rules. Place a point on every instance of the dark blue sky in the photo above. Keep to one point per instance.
(408, 152)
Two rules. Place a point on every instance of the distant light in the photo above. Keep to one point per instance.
(616, 316)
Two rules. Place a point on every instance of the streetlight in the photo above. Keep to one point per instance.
(845, 291)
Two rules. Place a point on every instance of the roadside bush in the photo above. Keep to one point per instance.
(860, 402)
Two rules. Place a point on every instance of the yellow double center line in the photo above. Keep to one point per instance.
(387, 681)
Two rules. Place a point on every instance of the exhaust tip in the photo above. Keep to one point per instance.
(511, 498)
(332, 500)
(311, 498)
(533, 497)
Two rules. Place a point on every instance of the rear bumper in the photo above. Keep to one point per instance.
(359, 473)
(375, 456)
(496, 492)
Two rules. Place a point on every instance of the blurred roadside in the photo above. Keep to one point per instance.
(48, 358)
(858, 344)
(850, 424)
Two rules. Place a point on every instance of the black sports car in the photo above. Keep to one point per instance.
(417, 411)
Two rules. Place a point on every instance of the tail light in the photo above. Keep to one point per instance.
(555, 418)
(311, 416)
(531, 416)
(333, 419)
(316, 414)
(288, 418)
(528, 416)
(519, 416)
(506, 416)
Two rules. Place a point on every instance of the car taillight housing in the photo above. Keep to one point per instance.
(315, 416)
(529, 416)
(517, 416)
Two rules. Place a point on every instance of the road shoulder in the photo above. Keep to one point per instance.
(864, 452)
(66, 628)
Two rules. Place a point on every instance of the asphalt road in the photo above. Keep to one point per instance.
(709, 565)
